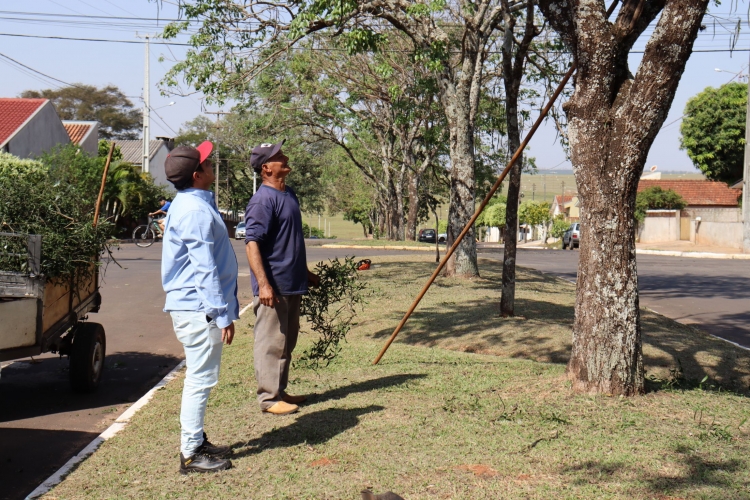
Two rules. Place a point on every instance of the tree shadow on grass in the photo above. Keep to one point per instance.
(311, 428)
(700, 473)
(365, 386)
(542, 331)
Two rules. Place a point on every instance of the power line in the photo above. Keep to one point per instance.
(40, 73)
(92, 39)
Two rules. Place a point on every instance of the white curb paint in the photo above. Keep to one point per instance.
(385, 247)
(696, 255)
(246, 308)
(110, 432)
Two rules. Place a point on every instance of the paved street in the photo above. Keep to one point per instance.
(712, 294)
(42, 424)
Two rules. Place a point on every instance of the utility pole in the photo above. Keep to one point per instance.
(146, 111)
(746, 180)
(533, 190)
(216, 153)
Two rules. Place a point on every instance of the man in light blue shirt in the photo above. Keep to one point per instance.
(199, 274)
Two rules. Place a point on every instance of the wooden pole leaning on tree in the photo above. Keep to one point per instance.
(104, 181)
(479, 210)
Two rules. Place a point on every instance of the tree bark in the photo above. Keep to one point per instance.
(613, 119)
(513, 73)
(411, 217)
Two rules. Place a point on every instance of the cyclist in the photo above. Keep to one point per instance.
(164, 204)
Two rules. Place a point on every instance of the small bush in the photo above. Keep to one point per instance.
(656, 198)
(559, 226)
(330, 308)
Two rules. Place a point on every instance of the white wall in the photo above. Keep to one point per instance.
(718, 234)
(156, 166)
(660, 225)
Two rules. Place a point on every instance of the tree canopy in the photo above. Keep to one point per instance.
(713, 131)
(113, 110)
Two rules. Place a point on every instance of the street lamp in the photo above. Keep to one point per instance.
(739, 75)
(165, 106)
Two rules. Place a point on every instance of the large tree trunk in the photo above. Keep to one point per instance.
(457, 105)
(508, 295)
(613, 119)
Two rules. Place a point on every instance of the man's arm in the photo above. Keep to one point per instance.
(313, 278)
(265, 290)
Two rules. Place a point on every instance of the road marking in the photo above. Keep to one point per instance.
(110, 432)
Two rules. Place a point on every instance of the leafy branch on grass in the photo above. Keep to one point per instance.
(330, 308)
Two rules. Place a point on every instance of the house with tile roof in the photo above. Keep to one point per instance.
(712, 215)
(30, 127)
(85, 134)
(132, 152)
(566, 204)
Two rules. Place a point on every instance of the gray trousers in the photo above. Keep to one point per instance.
(276, 331)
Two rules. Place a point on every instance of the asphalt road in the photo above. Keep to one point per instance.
(712, 294)
(43, 424)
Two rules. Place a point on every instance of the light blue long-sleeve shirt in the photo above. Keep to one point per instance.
(198, 265)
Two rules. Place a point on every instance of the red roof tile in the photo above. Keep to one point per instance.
(77, 131)
(14, 113)
(698, 192)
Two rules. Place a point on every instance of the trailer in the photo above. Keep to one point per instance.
(39, 315)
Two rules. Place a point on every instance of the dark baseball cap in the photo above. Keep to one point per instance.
(262, 153)
(183, 161)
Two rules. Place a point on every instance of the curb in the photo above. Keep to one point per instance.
(110, 432)
(696, 255)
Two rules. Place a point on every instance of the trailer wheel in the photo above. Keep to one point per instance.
(87, 357)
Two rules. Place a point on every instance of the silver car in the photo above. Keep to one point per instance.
(572, 237)
(239, 231)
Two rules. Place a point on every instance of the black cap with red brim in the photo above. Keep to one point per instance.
(183, 161)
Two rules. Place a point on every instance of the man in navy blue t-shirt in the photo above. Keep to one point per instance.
(275, 247)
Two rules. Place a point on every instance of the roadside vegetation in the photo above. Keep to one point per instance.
(465, 404)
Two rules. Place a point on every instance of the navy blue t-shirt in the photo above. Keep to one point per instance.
(273, 220)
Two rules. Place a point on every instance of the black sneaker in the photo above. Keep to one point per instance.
(200, 462)
(211, 449)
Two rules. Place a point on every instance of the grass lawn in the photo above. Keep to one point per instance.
(497, 420)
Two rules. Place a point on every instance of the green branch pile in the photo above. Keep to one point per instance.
(33, 201)
(330, 308)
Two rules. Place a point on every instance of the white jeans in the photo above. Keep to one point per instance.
(202, 343)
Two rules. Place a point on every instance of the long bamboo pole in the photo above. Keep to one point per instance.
(104, 181)
(479, 210)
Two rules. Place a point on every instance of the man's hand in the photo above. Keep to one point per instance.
(227, 334)
(267, 296)
(313, 279)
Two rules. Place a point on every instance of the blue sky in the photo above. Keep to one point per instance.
(100, 63)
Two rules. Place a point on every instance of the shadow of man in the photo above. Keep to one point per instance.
(311, 428)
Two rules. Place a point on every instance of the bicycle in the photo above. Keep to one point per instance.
(145, 235)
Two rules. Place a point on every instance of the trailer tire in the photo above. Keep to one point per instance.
(87, 357)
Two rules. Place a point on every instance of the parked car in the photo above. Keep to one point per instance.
(239, 231)
(427, 235)
(572, 237)
(442, 237)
